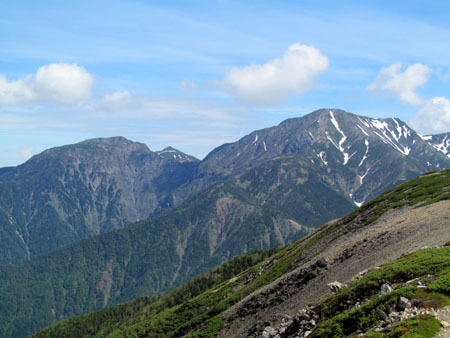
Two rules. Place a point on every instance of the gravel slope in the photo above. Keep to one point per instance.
(395, 233)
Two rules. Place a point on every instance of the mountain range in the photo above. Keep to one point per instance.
(104, 221)
(76, 191)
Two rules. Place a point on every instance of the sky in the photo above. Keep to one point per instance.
(197, 74)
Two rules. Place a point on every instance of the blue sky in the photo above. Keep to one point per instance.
(196, 74)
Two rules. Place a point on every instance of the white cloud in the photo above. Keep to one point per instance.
(117, 97)
(61, 82)
(120, 102)
(26, 152)
(64, 82)
(13, 92)
(273, 81)
(433, 117)
(401, 84)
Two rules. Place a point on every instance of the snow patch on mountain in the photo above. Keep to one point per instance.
(358, 204)
(256, 139)
(443, 146)
(425, 138)
(361, 128)
(342, 140)
(389, 136)
(321, 155)
(366, 142)
(361, 178)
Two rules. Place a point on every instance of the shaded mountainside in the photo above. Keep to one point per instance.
(146, 258)
(267, 297)
(72, 192)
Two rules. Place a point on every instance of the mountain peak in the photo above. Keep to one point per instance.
(172, 153)
(341, 145)
(107, 140)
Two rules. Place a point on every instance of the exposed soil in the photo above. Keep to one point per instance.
(397, 232)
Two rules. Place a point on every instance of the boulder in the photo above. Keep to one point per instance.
(403, 303)
(335, 286)
(385, 288)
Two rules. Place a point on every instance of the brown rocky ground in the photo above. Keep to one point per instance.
(444, 317)
(339, 257)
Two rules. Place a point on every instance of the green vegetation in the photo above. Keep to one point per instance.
(425, 326)
(199, 316)
(338, 321)
(429, 188)
(104, 321)
(441, 284)
(147, 258)
(292, 185)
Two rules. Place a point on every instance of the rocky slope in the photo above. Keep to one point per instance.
(271, 296)
(72, 192)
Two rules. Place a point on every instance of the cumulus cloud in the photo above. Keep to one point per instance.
(294, 73)
(433, 117)
(13, 92)
(118, 102)
(63, 82)
(404, 84)
(60, 82)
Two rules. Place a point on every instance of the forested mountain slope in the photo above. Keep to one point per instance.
(146, 258)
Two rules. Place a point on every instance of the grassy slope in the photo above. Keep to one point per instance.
(199, 316)
(338, 321)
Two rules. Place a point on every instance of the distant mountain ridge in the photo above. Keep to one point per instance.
(72, 192)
